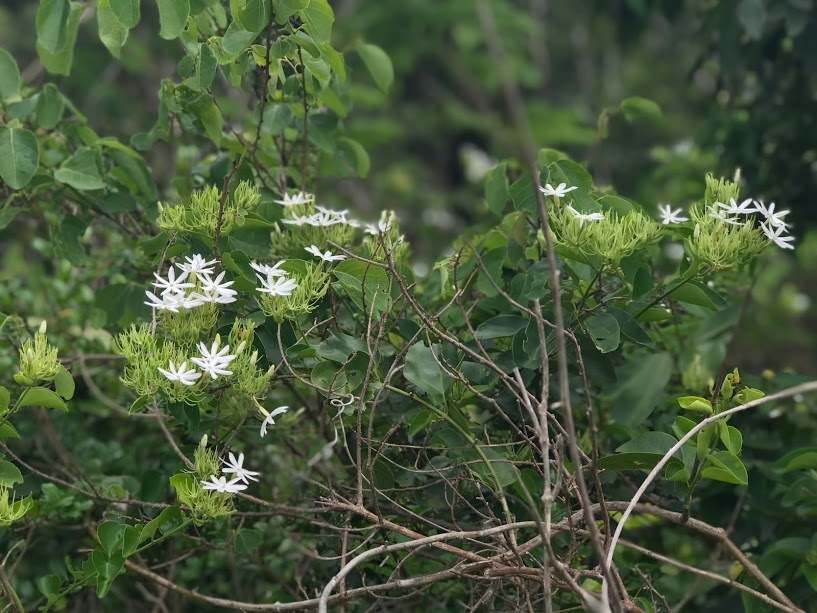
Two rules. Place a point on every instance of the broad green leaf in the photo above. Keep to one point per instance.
(284, 9)
(356, 154)
(237, 39)
(110, 535)
(629, 461)
(66, 238)
(81, 171)
(8, 431)
(496, 189)
(112, 32)
(64, 383)
(52, 24)
(126, 12)
(184, 484)
(642, 384)
(730, 437)
(50, 106)
(423, 370)
(695, 403)
(378, 64)
(5, 396)
(253, 15)
(522, 194)
(725, 466)
(9, 474)
(603, 328)
(107, 568)
(49, 585)
(205, 67)
(138, 404)
(10, 80)
(630, 328)
(567, 171)
(421, 422)
(500, 326)
(635, 108)
(130, 539)
(365, 284)
(19, 156)
(40, 397)
(173, 16)
(164, 522)
(506, 472)
(329, 376)
(339, 346)
(649, 442)
(59, 60)
(318, 17)
(695, 292)
(799, 459)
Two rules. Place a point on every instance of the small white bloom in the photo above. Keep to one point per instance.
(181, 374)
(775, 219)
(216, 290)
(168, 302)
(172, 285)
(212, 361)
(326, 257)
(560, 191)
(299, 198)
(220, 484)
(270, 419)
(669, 216)
(197, 265)
(718, 213)
(297, 220)
(282, 286)
(379, 228)
(235, 466)
(585, 217)
(776, 235)
(738, 209)
(270, 271)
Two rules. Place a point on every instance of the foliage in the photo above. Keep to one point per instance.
(454, 439)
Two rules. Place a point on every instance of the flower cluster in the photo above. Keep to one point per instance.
(241, 476)
(196, 275)
(213, 361)
(772, 226)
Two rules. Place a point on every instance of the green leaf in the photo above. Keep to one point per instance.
(422, 369)
(567, 171)
(8, 431)
(49, 585)
(629, 461)
(649, 442)
(5, 396)
(365, 284)
(730, 437)
(694, 292)
(110, 535)
(52, 24)
(64, 383)
(164, 522)
(50, 106)
(107, 568)
(318, 17)
(9, 474)
(496, 189)
(139, 403)
(58, 61)
(603, 328)
(205, 67)
(126, 12)
(112, 32)
(130, 539)
(358, 157)
(635, 108)
(8, 214)
(40, 397)
(81, 170)
(284, 9)
(642, 384)
(10, 80)
(378, 64)
(339, 346)
(19, 156)
(253, 15)
(522, 195)
(630, 328)
(695, 403)
(500, 326)
(726, 467)
(173, 16)
(799, 459)
(237, 39)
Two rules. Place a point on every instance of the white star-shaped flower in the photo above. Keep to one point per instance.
(775, 219)
(217, 290)
(380, 228)
(181, 374)
(734, 208)
(168, 302)
(270, 419)
(776, 235)
(325, 256)
(212, 361)
(282, 286)
(173, 284)
(582, 217)
(294, 199)
(220, 484)
(197, 265)
(235, 466)
(270, 271)
(717, 213)
(560, 191)
(669, 216)
(297, 220)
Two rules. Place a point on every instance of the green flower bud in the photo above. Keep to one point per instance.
(13, 511)
(38, 361)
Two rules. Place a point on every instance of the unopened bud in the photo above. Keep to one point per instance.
(203, 441)
(254, 357)
(270, 371)
(241, 347)
(43, 326)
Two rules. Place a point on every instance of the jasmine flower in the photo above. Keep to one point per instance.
(294, 199)
(181, 374)
(775, 235)
(282, 286)
(171, 285)
(270, 271)
(669, 216)
(220, 484)
(326, 257)
(585, 217)
(235, 466)
(197, 265)
(775, 219)
(269, 420)
(560, 191)
(212, 361)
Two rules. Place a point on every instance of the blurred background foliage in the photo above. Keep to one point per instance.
(725, 85)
